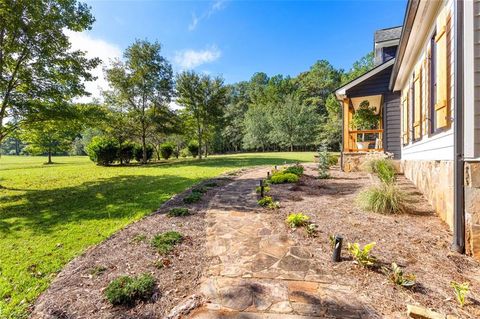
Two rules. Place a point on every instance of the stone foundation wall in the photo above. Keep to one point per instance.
(472, 208)
(353, 161)
(435, 180)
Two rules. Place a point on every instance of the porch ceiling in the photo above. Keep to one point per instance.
(374, 100)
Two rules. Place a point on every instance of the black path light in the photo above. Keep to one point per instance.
(262, 188)
(337, 248)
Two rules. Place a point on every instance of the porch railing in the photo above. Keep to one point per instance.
(365, 140)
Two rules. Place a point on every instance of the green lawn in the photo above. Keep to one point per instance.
(51, 213)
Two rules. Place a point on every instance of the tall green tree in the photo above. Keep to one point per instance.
(38, 69)
(257, 127)
(294, 123)
(143, 84)
(204, 98)
(360, 67)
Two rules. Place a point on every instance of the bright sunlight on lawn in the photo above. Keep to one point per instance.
(51, 213)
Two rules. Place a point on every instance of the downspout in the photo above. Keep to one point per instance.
(458, 243)
(343, 137)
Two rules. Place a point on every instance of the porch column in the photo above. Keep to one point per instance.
(346, 125)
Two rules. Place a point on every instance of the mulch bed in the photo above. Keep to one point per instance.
(78, 291)
(417, 240)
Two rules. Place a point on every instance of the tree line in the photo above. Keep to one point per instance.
(40, 77)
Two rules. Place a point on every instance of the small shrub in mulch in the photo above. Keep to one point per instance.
(125, 290)
(396, 275)
(362, 256)
(296, 169)
(268, 202)
(295, 220)
(211, 184)
(165, 242)
(383, 199)
(97, 270)
(139, 238)
(258, 189)
(281, 178)
(193, 197)
(178, 212)
(461, 291)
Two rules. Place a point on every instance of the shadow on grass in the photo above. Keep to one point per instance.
(112, 198)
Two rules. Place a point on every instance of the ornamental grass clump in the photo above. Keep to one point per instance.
(383, 199)
(165, 242)
(125, 290)
(282, 178)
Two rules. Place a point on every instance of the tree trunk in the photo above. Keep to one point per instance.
(199, 130)
(291, 147)
(49, 156)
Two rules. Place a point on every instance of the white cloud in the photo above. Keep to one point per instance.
(94, 47)
(190, 59)
(215, 6)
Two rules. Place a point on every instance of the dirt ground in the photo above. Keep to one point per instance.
(78, 291)
(417, 240)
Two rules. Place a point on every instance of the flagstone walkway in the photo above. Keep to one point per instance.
(258, 273)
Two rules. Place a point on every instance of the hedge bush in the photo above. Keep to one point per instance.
(280, 178)
(193, 148)
(139, 152)
(103, 150)
(296, 169)
(126, 152)
(166, 150)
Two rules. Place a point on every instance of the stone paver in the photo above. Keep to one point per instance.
(258, 273)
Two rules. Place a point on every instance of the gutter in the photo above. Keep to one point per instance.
(458, 243)
(410, 14)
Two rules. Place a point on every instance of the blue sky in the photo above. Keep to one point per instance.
(237, 38)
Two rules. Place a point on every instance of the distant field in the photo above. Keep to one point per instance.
(51, 213)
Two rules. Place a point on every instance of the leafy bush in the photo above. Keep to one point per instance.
(323, 163)
(166, 241)
(178, 212)
(125, 290)
(396, 276)
(383, 199)
(297, 220)
(139, 238)
(166, 150)
(362, 256)
(139, 152)
(311, 230)
(102, 150)
(296, 169)
(184, 152)
(97, 270)
(461, 291)
(280, 178)
(268, 202)
(193, 197)
(193, 148)
(126, 152)
(332, 159)
(266, 189)
(211, 184)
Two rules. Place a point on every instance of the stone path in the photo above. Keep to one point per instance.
(258, 273)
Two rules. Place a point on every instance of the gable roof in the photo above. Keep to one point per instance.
(341, 91)
(388, 34)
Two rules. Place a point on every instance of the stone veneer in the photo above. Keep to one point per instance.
(472, 208)
(435, 180)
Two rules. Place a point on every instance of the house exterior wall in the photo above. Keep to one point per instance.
(391, 124)
(427, 155)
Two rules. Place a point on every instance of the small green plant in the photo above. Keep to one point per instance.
(211, 184)
(332, 159)
(97, 270)
(384, 169)
(125, 290)
(296, 169)
(323, 163)
(274, 205)
(461, 291)
(266, 189)
(362, 256)
(311, 230)
(281, 178)
(165, 242)
(331, 239)
(200, 189)
(383, 199)
(193, 197)
(395, 275)
(297, 220)
(268, 202)
(139, 238)
(178, 212)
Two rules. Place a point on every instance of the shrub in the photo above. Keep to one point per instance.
(311, 230)
(266, 189)
(297, 220)
(166, 241)
(200, 189)
(102, 150)
(323, 163)
(396, 276)
(139, 152)
(296, 169)
(166, 150)
(332, 159)
(268, 202)
(193, 197)
(384, 169)
(193, 148)
(125, 290)
(178, 212)
(184, 152)
(211, 184)
(461, 291)
(383, 199)
(126, 152)
(176, 152)
(97, 270)
(139, 238)
(362, 256)
(280, 178)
